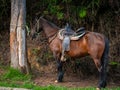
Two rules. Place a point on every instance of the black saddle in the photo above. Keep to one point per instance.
(80, 31)
(69, 32)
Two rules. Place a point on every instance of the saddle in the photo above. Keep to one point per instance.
(66, 35)
(74, 35)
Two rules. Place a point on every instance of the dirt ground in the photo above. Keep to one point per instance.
(47, 76)
(70, 81)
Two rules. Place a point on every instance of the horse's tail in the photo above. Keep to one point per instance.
(104, 64)
(105, 58)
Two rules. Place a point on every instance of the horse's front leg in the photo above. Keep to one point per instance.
(59, 67)
(60, 71)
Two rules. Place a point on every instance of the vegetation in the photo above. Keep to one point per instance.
(14, 78)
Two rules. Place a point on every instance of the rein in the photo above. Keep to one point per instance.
(52, 37)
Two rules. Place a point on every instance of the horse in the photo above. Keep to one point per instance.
(92, 43)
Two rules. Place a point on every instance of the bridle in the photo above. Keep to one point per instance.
(52, 37)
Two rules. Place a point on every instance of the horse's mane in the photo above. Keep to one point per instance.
(49, 23)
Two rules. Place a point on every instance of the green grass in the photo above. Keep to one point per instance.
(15, 75)
(14, 78)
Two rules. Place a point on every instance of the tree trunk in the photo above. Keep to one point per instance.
(18, 35)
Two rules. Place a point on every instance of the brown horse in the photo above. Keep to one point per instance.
(94, 44)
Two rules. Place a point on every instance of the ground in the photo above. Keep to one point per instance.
(69, 81)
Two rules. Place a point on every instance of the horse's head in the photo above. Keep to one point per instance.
(43, 24)
(36, 29)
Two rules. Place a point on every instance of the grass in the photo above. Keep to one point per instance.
(14, 78)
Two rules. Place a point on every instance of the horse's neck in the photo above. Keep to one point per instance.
(49, 29)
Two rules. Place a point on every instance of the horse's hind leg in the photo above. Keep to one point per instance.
(98, 64)
(104, 64)
(101, 65)
(102, 73)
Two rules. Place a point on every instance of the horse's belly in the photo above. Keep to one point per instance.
(77, 54)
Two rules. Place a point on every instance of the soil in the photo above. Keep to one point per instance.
(70, 81)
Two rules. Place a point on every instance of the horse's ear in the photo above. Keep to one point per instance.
(36, 19)
(42, 16)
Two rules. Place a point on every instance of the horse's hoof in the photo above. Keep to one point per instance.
(56, 81)
(98, 89)
(63, 59)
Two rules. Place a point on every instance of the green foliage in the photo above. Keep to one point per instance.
(3, 5)
(67, 9)
(114, 63)
(94, 6)
(67, 1)
(60, 15)
(4, 14)
(35, 51)
(55, 9)
(82, 13)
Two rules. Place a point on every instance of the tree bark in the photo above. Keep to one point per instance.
(18, 35)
